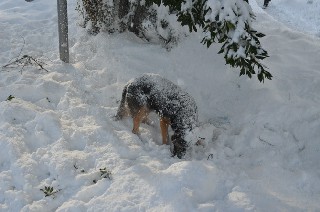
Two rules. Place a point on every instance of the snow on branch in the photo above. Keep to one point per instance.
(227, 22)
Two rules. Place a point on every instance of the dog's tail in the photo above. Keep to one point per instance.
(122, 110)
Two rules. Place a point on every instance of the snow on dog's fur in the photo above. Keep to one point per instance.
(177, 108)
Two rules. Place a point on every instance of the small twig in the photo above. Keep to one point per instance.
(24, 42)
(266, 142)
(23, 67)
(9, 64)
(39, 64)
(24, 61)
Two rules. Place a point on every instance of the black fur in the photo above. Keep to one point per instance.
(167, 99)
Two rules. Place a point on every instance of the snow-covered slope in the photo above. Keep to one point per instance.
(301, 15)
(262, 139)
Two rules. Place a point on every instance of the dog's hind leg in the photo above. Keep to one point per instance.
(142, 114)
(164, 124)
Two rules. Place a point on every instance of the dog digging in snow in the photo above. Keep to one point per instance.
(175, 107)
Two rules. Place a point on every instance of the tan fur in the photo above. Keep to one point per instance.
(164, 124)
(142, 116)
(137, 119)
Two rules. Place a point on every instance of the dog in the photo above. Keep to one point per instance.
(175, 107)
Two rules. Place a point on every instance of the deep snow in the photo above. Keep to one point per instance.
(262, 139)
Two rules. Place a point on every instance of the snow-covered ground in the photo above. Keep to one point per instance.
(58, 131)
(301, 15)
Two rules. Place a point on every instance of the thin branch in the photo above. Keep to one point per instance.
(9, 64)
(24, 43)
(266, 142)
(39, 64)
(24, 61)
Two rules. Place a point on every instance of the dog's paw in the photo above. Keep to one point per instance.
(137, 132)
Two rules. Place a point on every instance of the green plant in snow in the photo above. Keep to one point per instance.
(49, 191)
(105, 173)
(10, 98)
